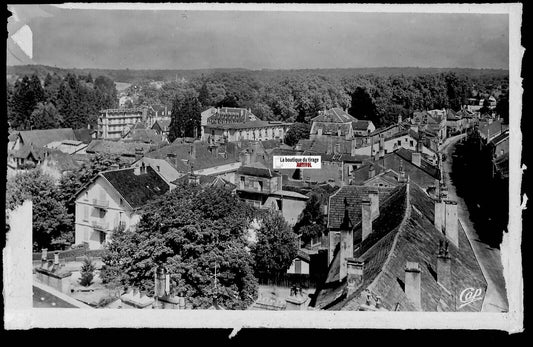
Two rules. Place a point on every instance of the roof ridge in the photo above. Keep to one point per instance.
(400, 227)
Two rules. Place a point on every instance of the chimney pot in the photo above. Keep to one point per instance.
(56, 258)
(366, 218)
(346, 251)
(416, 158)
(373, 195)
(444, 275)
(412, 284)
(451, 222)
(355, 274)
(44, 255)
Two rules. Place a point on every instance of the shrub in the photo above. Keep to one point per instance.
(87, 272)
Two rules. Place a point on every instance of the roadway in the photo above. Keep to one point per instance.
(489, 258)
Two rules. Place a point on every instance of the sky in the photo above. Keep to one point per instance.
(192, 39)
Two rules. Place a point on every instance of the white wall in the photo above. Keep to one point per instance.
(87, 213)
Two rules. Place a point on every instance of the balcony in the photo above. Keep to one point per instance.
(100, 225)
(103, 204)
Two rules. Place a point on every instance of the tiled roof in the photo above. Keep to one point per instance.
(40, 138)
(164, 124)
(361, 124)
(389, 176)
(341, 157)
(207, 181)
(331, 129)
(334, 115)
(247, 125)
(206, 156)
(137, 190)
(119, 148)
(271, 144)
(424, 165)
(27, 150)
(349, 198)
(404, 232)
(143, 135)
(325, 144)
(227, 115)
(495, 127)
(257, 172)
(500, 138)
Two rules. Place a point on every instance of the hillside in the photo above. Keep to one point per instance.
(129, 76)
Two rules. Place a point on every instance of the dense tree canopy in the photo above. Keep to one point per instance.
(194, 233)
(52, 226)
(296, 132)
(185, 120)
(72, 101)
(311, 222)
(276, 245)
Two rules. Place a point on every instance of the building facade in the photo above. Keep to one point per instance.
(112, 123)
(112, 200)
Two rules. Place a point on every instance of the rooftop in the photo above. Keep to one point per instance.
(404, 231)
(137, 190)
(334, 115)
(40, 138)
(119, 148)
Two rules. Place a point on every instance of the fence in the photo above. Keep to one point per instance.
(71, 254)
(288, 280)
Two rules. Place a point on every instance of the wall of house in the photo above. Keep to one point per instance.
(328, 171)
(87, 214)
(256, 134)
(403, 141)
(219, 170)
(302, 268)
(291, 208)
(253, 183)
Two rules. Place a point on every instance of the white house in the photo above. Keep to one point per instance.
(112, 200)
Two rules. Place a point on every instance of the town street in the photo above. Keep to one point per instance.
(488, 257)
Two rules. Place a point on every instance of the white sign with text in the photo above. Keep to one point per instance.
(297, 162)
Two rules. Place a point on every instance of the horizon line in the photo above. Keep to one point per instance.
(259, 69)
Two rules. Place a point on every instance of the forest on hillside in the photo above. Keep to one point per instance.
(379, 95)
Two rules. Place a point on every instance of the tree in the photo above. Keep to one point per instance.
(52, 225)
(186, 115)
(363, 106)
(72, 182)
(502, 107)
(311, 222)
(45, 116)
(296, 132)
(485, 109)
(87, 272)
(27, 93)
(276, 245)
(194, 233)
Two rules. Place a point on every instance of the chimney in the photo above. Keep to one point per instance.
(355, 274)
(346, 251)
(373, 195)
(381, 147)
(416, 158)
(450, 224)
(44, 257)
(137, 170)
(366, 218)
(159, 285)
(371, 171)
(193, 151)
(444, 262)
(399, 119)
(334, 239)
(412, 284)
(56, 258)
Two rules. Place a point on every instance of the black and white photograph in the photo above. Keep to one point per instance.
(281, 165)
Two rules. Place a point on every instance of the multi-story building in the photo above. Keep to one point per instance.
(262, 187)
(236, 124)
(112, 200)
(112, 123)
(433, 121)
(338, 123)
(401, 251)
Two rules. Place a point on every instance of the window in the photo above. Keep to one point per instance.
(399, 142)
(411, 143)
(260, 186)
(85, 212)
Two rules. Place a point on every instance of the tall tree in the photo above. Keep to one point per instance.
(296, 132)
(276, 245)
(186, 115)
(45, 116)
(311, 222)
(200, 237)
(52, 226)
(27, 93)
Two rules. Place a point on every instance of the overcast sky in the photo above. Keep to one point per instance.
(278, 40)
